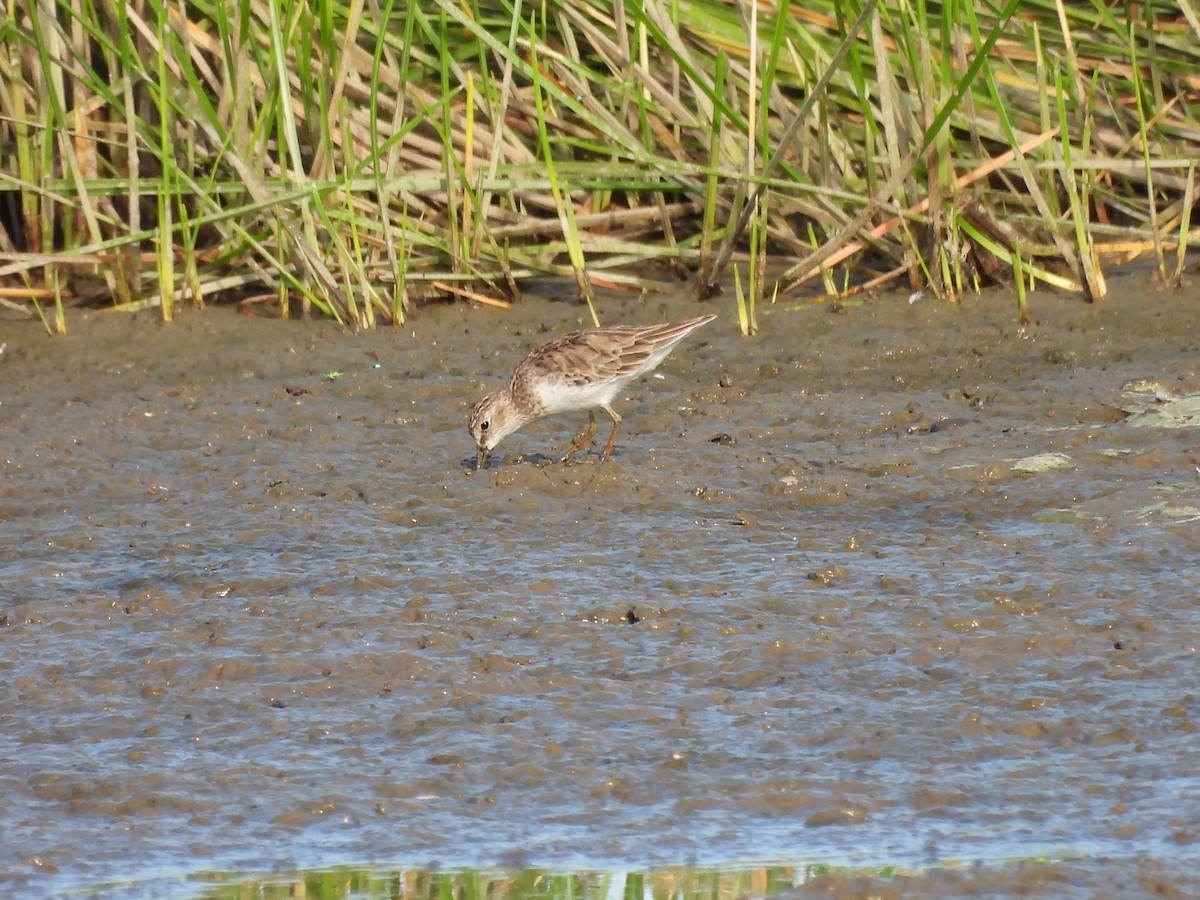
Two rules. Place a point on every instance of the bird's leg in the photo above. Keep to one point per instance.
(584, 436)
(612, 438)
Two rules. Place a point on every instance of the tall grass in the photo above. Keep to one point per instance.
(356, 157)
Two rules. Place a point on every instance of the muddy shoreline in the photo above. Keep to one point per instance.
(258, 613)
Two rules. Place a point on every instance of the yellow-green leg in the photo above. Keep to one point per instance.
(612, 438)
(584, 436)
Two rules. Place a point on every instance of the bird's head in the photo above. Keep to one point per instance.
(493, 419)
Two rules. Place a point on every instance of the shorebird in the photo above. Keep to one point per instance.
(577, 371)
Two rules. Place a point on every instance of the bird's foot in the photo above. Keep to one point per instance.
(581, 439)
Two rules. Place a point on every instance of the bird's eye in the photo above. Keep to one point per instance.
(483, 426)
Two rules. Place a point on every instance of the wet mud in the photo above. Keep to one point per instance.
(900, 585)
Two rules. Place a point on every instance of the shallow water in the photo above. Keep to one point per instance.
(255, 618)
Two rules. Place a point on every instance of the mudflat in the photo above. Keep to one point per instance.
(905, 585)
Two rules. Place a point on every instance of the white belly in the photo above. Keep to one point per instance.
(558, 396)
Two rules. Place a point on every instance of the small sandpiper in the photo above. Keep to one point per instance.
(580, 370)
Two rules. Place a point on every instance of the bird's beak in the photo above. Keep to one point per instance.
(481, 458)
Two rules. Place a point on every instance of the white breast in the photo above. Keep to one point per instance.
(557, 395)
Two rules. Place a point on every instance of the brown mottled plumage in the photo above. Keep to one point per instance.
(580, 370)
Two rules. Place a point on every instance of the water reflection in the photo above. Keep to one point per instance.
(529, 884)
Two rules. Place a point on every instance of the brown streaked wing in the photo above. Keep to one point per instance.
(646, 341)
(595, 355)
(581, 357)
